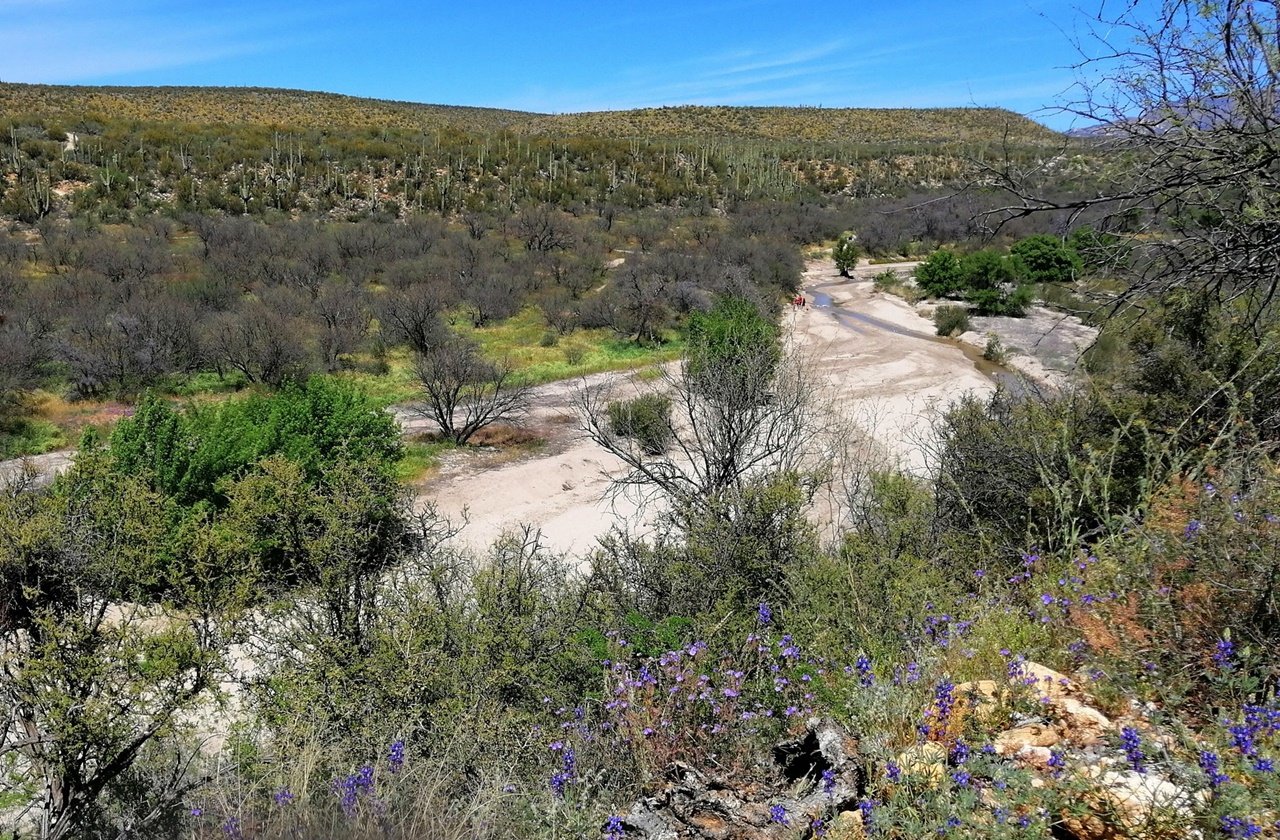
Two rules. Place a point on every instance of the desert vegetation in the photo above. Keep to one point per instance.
(230, 618)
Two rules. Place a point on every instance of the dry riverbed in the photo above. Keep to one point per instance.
(874, 355)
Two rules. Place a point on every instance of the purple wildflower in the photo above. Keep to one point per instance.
(1212, 768)
(283, 796)
(1224, 653)
(613, 829)
(829, 783)
(395, 759)
(1239, 827)
(778, 814)
(764, 615)
(1132, 743)
(865, 674)
(892, 772)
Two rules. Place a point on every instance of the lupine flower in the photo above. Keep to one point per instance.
(961, 778)
(283, 796)
(197, 811)
(865, 675)
(1193, 528)
(892, 772)
(829, 783)
(1057, 761)
(764, 615)
(1264, 765)
(1211, 766)
(232, 829)
(866, 807)
(613, 829)
(1224, 653)
(819, 827)
(1238, 827)
(778, 814)
(395, 759)
(960, 753)
(1132, 743)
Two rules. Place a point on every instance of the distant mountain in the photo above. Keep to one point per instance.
(299, 109)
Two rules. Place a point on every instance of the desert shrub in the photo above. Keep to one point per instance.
(647, 418)
(951, 320)
(993, 350)
(941, 274)
(1045, 259)
(886, 281)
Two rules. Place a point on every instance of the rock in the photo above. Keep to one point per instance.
(1012, 741)
(1050, 683)
(1128, 804)
(824, 746)
(847, 826)
(981, 698)
(643, 819)
(709, 824)
(1082, 724)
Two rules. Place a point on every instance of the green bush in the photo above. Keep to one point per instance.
(646, 418)
(1045, 259)
(951, 320)
(940, 275)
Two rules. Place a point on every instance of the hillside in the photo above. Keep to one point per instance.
(249, 106)
(858, 125)
(299, 109)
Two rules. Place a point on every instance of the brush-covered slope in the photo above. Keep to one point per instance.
(305, 109)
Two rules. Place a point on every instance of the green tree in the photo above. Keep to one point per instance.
(846, 253)
(1045, 259)
(94, 684)
(940, 275)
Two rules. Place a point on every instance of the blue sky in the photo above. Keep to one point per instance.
(566, 56)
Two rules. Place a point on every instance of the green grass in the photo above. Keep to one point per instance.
(204, 382)
(420, 457)
(30, 436)
(518, 342)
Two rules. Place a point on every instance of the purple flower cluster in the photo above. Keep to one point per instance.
(568, 769)
(395, 758)
(1131, 741)
(349, 789)
(866, 675)
(1239, 827)
(1212, 767)
(613, 829)
(1224, 654)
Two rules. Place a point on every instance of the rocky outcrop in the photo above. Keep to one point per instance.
(811, 777)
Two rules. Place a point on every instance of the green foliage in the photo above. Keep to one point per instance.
(846, 253)
(1045, 259)
(984, 278)
(951, 320)
(725, 556)
(189, 455)
(986, 271)
(647, 418)
(732, 350)
(940, 275)
(993, 350)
